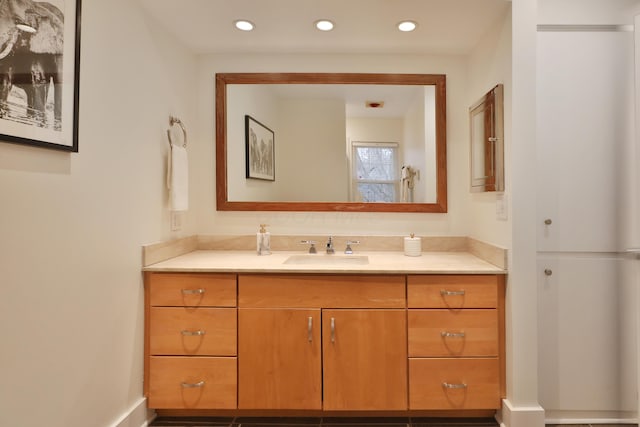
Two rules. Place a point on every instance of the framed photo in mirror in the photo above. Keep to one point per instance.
(260, 149)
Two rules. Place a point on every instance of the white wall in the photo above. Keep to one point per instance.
(521, 407)
(419, 148)
(490, 64)
(72, 226)
(264, 109)
(368, 129)
(311, 150)
(508, 55)
(343, 223)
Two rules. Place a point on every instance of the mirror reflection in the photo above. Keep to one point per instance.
(332, 145)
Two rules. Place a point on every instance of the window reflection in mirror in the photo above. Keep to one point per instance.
(375, 174)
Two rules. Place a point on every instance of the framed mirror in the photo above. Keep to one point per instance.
(336, 142)
(487, 142)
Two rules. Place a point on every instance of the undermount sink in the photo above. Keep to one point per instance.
(327, 260)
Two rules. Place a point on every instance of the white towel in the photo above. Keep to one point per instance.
(404, 184)
(178, 178)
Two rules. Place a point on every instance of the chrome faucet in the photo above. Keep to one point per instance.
(330, 249)
(312, 247)
(348, 249)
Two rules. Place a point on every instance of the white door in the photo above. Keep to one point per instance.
(587, 306)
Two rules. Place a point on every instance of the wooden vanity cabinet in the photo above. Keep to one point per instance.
(331, 342)
(324, 342)
(190, 341)
(456, 341)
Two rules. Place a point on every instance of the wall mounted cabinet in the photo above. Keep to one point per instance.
(486, 118)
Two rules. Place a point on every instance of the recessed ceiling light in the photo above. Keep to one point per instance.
(244, 25)
(324, 25)
(407, 26)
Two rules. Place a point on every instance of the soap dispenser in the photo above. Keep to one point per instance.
(263, 240)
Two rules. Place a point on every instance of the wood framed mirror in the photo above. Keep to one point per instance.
(297, 108)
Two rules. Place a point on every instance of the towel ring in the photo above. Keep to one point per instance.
(173, 121)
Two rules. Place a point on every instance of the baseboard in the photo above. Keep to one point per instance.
(592, 421)
(591, 417)
(136, 416)
(520, 416)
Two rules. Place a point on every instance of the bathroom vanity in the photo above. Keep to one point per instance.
(231, 332)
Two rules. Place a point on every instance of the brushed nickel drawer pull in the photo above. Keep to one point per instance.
(444, 334)
(454, 386)
(451, 293)
(310, 329)
(199, 291)
(193, 385)
(333, 329)
(197, 333)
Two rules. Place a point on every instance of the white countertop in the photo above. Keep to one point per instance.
(379, 263)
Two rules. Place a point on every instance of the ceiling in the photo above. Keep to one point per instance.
(361, 26)
(396, 100)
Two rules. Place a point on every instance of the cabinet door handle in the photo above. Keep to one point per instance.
(310, 329)
(444, 334)
(197, 333)
(454, 386)
(199, 291)
(451, 293)
(193, 385)
(333, 329)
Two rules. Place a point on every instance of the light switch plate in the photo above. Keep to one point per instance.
(176, 221)
(501, 207)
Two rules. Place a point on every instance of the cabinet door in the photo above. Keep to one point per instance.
(279, 360)
(365, 359)
(585, 140)
(585, 346)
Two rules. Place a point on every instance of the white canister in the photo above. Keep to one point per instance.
(412, 246)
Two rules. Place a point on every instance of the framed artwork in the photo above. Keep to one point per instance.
(39, 72)
(260, 148)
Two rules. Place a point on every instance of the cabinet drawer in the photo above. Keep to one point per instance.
(192, 289)
(454, 384)
(192, 331)
(451, 291)
(447, 333)
(317, 291)
(192, 382)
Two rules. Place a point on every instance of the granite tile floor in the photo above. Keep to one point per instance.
(342, 422)
(322, 422)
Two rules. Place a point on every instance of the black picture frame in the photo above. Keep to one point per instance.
(41, 61)
(260, 150)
